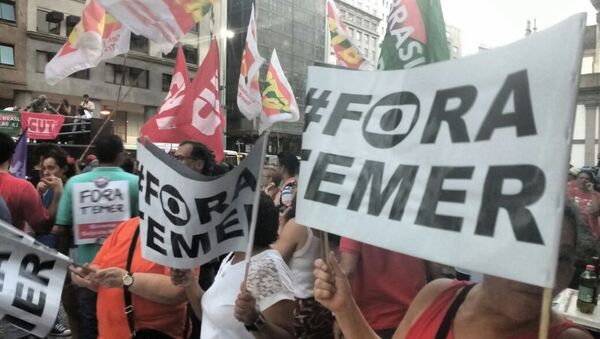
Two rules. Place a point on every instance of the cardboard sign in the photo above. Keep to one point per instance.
(31, 281)
(188, 219)
(10, 123)
(42, 126)
(461, 162)
(98, 207)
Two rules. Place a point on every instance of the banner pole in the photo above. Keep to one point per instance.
(545, 315)
(255, 208)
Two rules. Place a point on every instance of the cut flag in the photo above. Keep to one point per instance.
(416, 35)
(163, 21)
(162, 126)
(248, 96)
(18, 164)
(279, 103)
(346, 53)
(98, 36)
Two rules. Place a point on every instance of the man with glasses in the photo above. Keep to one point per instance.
(196, 156)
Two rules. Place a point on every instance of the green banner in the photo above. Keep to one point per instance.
(10, 123)
(415, 36)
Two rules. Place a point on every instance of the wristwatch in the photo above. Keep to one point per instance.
(258, 324)
(127, 280)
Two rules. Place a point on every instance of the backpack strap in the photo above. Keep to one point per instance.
(126, 293)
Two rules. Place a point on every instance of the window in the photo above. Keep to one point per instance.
(72, 21)
(41, 59)
(138, 43)
(191, 54)
(7, 11)
(83, 74)
(49, 22)
(134, 77)
(166, 82)
(172, 54)
(7, 55)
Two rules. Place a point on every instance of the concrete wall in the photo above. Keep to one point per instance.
(13, 77)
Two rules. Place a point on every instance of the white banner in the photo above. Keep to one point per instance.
(460, 162)
(187, 219)
(98, 207)
(31, 281)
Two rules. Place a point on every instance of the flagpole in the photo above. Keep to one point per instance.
(223, 69)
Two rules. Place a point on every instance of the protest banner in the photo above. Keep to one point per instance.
(42, 126)
(460, 162)
(31, 281)
(10, 123)
(187, 219)
(98, 207)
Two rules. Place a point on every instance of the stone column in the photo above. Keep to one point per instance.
(590, 135)
(596, 64)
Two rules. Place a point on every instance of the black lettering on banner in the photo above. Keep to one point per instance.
(453, 117)
(523, 223)
(84, 194)
(26, 304)
(215, 203)
(141, 177)
(178, 243)
(313, 105)
(305, 154)
(248, 209)
(340, 111)
(174, 206)
(516, 86)
(230, 220)
(245, 180)
(4, 256)
(434, 193)
(319, 174)
(399, 104)
(2, 277)
(27, 326)
(372, 173)
(150, 179)
(33, 261)
(154, 236)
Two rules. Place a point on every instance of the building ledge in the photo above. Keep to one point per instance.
(589, 82)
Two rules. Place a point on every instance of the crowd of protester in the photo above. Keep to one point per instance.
(290, 290)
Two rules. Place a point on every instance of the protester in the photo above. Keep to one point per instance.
(582, 193)
(65, 108)
(109, 151)
(300, 246)
(270, 180)
(498, 307)
(88, 105)
(287, 167)
(264, 307)
(384, 283)
(21, 196)
(157, 306)
(196, 156)
(40, 105)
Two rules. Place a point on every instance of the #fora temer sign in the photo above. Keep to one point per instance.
(460, 162)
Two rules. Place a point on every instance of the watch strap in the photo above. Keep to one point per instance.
(126, 293)
(258, 324)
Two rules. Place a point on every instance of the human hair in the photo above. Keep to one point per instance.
(60, 157)
(45, 148)
(108, 148)
(289, 162)
(128, 165)
(86, 96)
(267, 222)
(202, 152)
(65, 102)
(7, 147)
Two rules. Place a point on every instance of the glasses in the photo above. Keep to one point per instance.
(182, 158)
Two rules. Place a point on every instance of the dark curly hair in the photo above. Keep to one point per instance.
(108, 148)
(202, 152)
(267, 222)
(289, 162)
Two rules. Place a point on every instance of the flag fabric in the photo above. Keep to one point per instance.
(248, 96)
(201, 118)
(416, 35)
(98, 36)
(346, 53)
(18, 164)
(279, 102)
(162, 126)
(165, 22)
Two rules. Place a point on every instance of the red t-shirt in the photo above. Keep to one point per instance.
(583, 200)
(24, 202)
(385, 283)
(112, 322)
(429, 321)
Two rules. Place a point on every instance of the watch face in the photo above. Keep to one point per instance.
(127, 280)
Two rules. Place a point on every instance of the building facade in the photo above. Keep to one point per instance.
(40, 28)
(362, 22)
(296, 29)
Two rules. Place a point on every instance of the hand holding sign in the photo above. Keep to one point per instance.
(245, 308)
(332, 289)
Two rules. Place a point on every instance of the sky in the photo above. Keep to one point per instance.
(494, 23)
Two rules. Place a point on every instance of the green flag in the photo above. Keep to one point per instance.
(416, 35)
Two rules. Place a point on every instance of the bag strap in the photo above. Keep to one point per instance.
(126, 293)
(444, 328)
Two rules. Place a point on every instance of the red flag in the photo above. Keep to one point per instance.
(42, 126)
(162, 126)
(201, 118)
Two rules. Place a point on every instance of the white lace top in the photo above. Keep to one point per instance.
(269, 281)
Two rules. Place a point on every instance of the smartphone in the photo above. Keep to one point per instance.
(85, 270)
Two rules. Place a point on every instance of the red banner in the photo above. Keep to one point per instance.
(41, 126)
